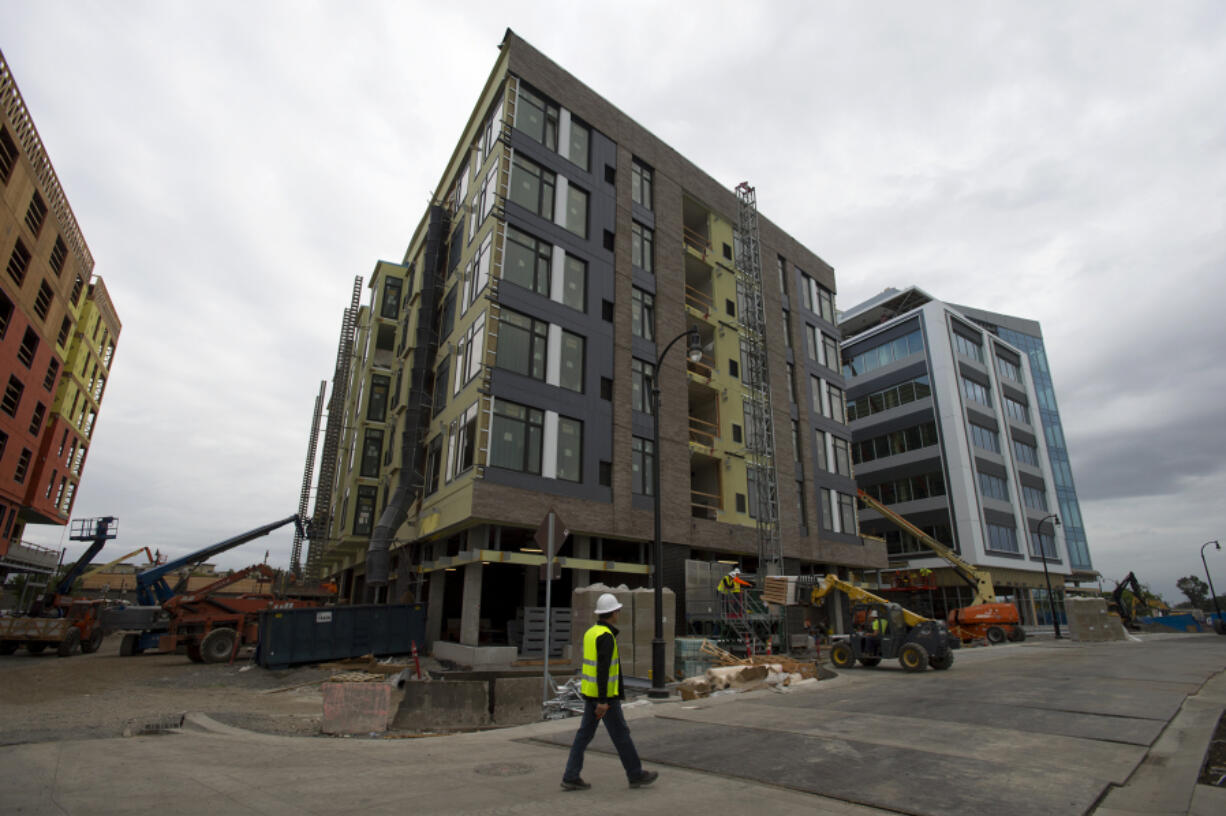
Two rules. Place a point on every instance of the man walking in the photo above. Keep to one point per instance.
(603, 691)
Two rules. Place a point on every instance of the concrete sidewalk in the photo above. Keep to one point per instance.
(212, 768)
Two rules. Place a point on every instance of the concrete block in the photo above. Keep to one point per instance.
(517, 700)
(1089, 621)
(356, 708)
(446, 705)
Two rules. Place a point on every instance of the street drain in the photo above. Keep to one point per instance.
(153, 726)
(504, 769)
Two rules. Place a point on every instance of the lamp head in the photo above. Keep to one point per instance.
(1056, 520)
(1216, 545)
(694, 342)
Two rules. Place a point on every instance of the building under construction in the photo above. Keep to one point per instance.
(505, 367)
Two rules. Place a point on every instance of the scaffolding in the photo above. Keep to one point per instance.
(321, 522)
(760, 427)
(308, 472)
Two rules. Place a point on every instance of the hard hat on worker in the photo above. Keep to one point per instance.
(607, 603)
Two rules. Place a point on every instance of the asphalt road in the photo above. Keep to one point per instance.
(1033, 728)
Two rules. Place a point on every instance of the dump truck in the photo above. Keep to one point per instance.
(984, 618)
(57, 620)
(916, 641)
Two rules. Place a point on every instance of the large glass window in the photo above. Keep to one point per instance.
(470, 351)
(390, 307)
(913, 488)
(570, 449)
(372, 451)
(830, 352)
(1034, 498)
(516, 432)
(1028, 454)
(993, 487)
(968, 347)
(1002, 539)
(376, 408)
(1017, 410)
(537, 118)
(532, 187)
(985, 438)
(641, 375)
(976, 392)
(884, 354)
(1009, 369)
(576, 211)
(642, 247)
(892, 397)
(825, 303)
(522, 344)
(642, 465)
(364, 514)
(842, 457)
(640, 184)
(527, 261)
(847, 514)
(642, 314)
(1044, 546)
(574, 283)
(580, 139)
(462, 443)
(571, 369)
(477, 274)
(908, 439)
(836, 403)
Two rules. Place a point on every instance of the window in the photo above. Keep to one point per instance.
(571, 370)
(1029, 454)
(6, 313)
(8, 155)
(807, 288)
(390, 307)
(532, 187)
(484, 201)
(576, 211)
(787, 329)
(993, 487)
(802, 509)
(77, 288)
(477, 274)
(19, 262)
(1017, 410)
(463, 442)
(36, 213)
(1034, 498)
(641, 375)
(36, 420)
(522, 344)
(847, 514)
(913, 488)
(441, 374)
(819, 442)
(796, 441)
(65, 331)
(23, 466)
(372, 451)
(364, 513)
(791, 383)
(640, 184)
(642, 314)
(570, 449)
(469, 353)
(580, 138)
(884, 354)
(376, 408)
(892, 397)
(642, 466)
(815, 394)
(537, 118)
(642, 242)
(1009, 369)
(1044, 546)
(574, 283)
(824, 502)
(975, 392)
(59, 254)
(968, 347)
(781, 266)
(12, 396)
(1002, 539)
(985, 438)
(434, 452)
(811, 347)
(28, 347)
(842, 456)
(836, 403)
(916, 437)
(825, 303)
(526, 261)
(830, 352)
(516, 433)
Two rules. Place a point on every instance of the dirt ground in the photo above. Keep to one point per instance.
(49, 698)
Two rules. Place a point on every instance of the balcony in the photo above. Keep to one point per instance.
(706, 486)
(696, 228)
(30, 558)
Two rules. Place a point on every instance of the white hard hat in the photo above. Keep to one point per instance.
(736, 570)
(607, 603)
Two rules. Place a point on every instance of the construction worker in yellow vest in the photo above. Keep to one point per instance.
(878, 623)
(603, 690)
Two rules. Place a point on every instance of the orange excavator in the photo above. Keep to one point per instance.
(984, 618)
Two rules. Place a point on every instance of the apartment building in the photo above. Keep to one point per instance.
(58, 334)
(946, 430)
(520, 338)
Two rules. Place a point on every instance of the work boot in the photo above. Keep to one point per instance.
(646, 779)
(575, 784)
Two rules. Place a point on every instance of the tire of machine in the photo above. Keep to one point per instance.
(913, 657)
(36, 648)
(869, 662)
(995, 635)
(942, 663)
(841, 656)
(93, 642)
(193, 653)
(71, 644)
(1018, 634)
(130, 645)
(218, 645)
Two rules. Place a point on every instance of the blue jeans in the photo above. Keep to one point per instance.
(619, 732)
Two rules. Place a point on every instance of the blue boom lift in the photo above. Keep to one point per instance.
(148, 617)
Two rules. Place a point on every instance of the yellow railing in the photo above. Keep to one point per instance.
(705, 505)
(704, 367)
(703, 432)
(698, 299)
(696, 240)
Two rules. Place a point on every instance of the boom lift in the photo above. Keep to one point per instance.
(148, 617)
(916, 641)
(984, 618)
(56, 619)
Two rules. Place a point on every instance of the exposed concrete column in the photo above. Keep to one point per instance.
(478, 538)
(1034, 615)
(470, 618)
(583, 547)
(434, 611)
(532, 580)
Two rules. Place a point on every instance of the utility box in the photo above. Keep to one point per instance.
(315, 634)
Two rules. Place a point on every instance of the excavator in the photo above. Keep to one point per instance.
(984, 619)
(917, 642)
(1127, 610)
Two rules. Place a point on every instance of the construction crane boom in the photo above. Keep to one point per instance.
(980, 580)
(856, 593)
(120, 560)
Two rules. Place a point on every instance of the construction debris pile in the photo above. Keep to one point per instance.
(746, 674)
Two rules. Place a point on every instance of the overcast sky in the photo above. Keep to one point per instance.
(233, 165)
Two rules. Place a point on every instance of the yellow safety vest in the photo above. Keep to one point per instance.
(728, 584)
(879, 625)
(588, 687)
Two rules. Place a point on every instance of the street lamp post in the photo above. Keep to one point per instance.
(1051, 599)
(1220, 628)
(694, 353)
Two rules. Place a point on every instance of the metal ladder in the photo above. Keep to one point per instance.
(308, 472)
